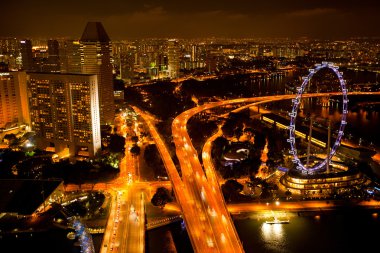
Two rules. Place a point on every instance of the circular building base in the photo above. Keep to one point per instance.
(300, 183)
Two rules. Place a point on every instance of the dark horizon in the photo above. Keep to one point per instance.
(317, 19)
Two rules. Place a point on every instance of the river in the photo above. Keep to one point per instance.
(346, 230)
(313, 232)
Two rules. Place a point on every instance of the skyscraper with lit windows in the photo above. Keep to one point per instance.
(27, 55)
(70, 57)
(52, 64)
(64, 112)
(173, 58)
(14, 109)
(96, 59)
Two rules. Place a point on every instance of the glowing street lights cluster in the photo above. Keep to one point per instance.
(293, 115)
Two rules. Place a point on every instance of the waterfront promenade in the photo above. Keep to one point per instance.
(296, 206)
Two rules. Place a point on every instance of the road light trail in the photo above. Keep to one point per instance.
(199, 229)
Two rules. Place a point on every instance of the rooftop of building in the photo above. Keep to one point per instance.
(237, 151)
(298, 174)
(24, 196)
(59, 74)
(94, 32)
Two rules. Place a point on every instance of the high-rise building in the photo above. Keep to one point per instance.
(173, 58)
(53, 63)
(64, 111)
(213, 61)
(96, 59)
(10, 52)
(127, 63)
(26, 55)
(69, 55)
(14, 109)
(9, 46)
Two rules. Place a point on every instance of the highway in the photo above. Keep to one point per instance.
(194, 212)
(208, 222)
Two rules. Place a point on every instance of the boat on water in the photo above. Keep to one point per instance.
(277, 221)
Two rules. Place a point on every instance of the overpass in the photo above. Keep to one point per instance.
(163, 222)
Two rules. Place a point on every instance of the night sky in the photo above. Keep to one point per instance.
(124, 19)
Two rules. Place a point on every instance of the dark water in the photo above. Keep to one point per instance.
(45, 242)
(362, 123)
(170, 238)
(97, 240)
(348, 231)
(343, 231)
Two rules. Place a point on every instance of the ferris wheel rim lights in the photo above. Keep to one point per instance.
(293, 115)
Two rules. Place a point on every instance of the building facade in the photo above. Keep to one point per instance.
(27, 55)
(53, 63)
(173, 58)
(64, 111)
(14, 109)
(70, 56)
(96, 59)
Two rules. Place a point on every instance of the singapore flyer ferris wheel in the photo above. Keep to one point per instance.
(293, 115)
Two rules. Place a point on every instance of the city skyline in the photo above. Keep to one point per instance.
(128, 19)
(189, 126)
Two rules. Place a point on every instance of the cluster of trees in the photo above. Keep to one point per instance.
(88, 207)
(116, 144)
(80, 172)
(15, 164)
(268, 190)
(200, 129)
(31, 167)
(231, 190)
(277, 145)
(135, 150)
(16, 142)
(37, 164)
(161, 197)
(163, 100)
(8, 159)
(154, 161)
(10, 138)
(263, 135)
(225, 86)
(233, 128)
